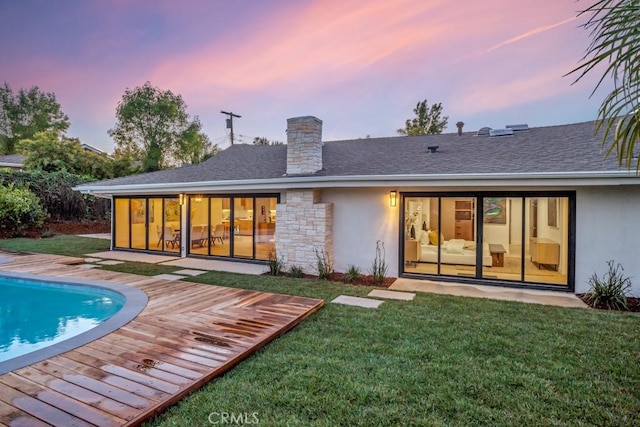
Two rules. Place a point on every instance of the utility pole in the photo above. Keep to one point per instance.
(230, 122)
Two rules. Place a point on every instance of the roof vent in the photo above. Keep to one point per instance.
(522, 126)
(483, 131)
(500, 132)
(433, 148)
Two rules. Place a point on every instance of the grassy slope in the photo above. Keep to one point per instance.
(437, 360)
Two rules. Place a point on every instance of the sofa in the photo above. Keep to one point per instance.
(454, 251)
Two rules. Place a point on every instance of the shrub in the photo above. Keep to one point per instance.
(20, 209)
(54, 189)
(379, 266)
(324, 264)
(611, 290)
(275, 264)
(296, 271)
(352, 274)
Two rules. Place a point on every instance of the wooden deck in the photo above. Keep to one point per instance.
(187, 335)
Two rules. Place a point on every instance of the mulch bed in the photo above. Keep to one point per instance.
(363, 280)
(633, 304)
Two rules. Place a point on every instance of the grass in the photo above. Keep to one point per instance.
(437, 360)
(58, 245)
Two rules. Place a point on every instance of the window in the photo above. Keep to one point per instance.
(521, 239)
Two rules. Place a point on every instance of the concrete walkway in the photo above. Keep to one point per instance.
(190, 263)
(560, 299)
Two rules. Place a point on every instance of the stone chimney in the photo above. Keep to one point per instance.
(459, 125)
(304, 145)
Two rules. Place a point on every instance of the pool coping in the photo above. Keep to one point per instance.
(135, 301)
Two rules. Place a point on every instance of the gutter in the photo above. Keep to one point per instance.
(358, 181)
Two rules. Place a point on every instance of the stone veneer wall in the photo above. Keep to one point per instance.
(305, 225)
(304, 145)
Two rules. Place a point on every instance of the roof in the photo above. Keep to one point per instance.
(12, 160)
(564, 149)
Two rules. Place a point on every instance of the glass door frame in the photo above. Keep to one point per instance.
(479, 222)
(232, 197)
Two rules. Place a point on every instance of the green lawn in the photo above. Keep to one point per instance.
(437, 360)
(59, 245)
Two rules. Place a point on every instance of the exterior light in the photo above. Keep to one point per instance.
(181, 196)
(198, 198)
(393, 198)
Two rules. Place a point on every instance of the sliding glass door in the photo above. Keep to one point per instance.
(517, 238)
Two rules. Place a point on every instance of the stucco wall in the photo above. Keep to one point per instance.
(607, 228)
(360, 218)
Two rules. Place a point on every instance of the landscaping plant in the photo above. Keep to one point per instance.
(325, 265)
(379, 266)
(296, 271)
(20, 209)
(611, 290)
(352, 274)
(275, 264)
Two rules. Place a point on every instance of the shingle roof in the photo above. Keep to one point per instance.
(17, 159)
(564, 148)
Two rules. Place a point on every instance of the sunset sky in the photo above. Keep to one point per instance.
(359, 65)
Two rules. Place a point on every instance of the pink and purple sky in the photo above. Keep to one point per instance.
(359, 65)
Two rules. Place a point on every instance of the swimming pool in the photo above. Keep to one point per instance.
(41, 317)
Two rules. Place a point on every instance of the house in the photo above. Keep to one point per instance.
(521, 207)
(12, 161)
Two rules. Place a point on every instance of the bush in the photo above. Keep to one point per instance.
(324, 264)
(296, 271)
(275, 264)
(352, 274)
(379, 266)
(54, 189)
(20, 209)
(611, 290)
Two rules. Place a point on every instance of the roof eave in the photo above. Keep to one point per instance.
(457, 180)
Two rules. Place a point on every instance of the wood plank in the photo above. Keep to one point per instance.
(60, 401)
(39, 409)
(187, 335)
(84, 395)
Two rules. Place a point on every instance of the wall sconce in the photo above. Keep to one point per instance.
(393, 198)
(198, 198)
(181, 197)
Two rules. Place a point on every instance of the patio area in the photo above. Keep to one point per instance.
(187, 335)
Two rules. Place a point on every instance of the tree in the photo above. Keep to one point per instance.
(27, 113)
(153, 125)
(261, 140)
(50, 152)
(428, 120)
(615, 45)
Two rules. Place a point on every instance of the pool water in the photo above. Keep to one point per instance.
(34, 315)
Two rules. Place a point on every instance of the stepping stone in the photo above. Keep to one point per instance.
(110, 262)
(357, 301)
(92, 259)
(190, 272)
(169, 277)
(86, 265)
(402, 296)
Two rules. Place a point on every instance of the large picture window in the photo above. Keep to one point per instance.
(521, 239)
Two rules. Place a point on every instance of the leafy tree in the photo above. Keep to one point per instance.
(153, 125)
(261, 140)
(50, 152)
(615, 32)
(27, 113)
(428, 120)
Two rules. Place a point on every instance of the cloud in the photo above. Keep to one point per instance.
(527, 34)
